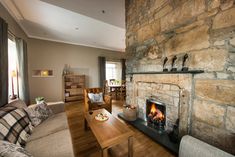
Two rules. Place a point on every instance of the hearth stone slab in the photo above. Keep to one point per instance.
(162, 138)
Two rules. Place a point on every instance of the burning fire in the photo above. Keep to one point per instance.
(155, 113)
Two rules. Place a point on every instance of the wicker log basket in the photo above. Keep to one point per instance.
(130, 112)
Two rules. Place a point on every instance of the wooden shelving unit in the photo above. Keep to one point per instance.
(73, 87)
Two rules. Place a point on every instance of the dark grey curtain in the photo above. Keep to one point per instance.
(102, 71)
(123, 69)
(3, 62)
(21, 48)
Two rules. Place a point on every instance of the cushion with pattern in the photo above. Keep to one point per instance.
(8, 149)
(15, 125)
(38, 113)
(96, 97)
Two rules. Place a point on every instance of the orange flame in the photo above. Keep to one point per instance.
(153, 109)
(156, 113)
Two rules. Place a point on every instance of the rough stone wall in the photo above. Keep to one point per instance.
(205, 30)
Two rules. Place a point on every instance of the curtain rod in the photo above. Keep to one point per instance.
(11, 35)
(10, 32)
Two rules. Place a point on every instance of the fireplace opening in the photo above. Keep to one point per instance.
(156, 114)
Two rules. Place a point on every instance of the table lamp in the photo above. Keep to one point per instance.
(13, 74)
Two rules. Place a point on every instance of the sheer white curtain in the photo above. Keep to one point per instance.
(22, 64)
(12, 67)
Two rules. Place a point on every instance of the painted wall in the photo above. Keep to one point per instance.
(52, 55)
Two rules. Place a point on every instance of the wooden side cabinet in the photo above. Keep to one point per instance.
(73, 87)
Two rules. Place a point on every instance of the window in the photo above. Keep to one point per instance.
(12, 69)
(113, 70)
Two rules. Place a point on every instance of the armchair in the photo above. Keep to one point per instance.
(107, 104)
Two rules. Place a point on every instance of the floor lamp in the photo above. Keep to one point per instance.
(13, 74)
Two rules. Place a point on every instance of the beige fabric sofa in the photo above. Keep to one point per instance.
(52, 137)
(192, 147)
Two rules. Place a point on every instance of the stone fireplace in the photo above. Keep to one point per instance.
(172, 90)
(203, 103)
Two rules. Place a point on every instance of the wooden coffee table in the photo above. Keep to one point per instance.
(110, 132)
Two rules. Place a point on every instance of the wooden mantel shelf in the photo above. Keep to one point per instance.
(169, 72)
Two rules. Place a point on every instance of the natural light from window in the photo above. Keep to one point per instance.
(113, 70)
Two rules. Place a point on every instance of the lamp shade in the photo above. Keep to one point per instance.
(13, 73)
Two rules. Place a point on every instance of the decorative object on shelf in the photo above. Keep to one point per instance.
(13, 74)
(184, 67)
(164, 64)
(67, 69)
(39, 100)
(173, 68)
(66, 94)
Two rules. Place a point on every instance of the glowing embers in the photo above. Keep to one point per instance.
(156, 115)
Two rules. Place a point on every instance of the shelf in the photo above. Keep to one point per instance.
(74, 89)
(42, 76)
(42, 73)
(73, 95)
(169, 72)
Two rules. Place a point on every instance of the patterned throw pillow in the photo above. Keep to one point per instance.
(15, 125)
(12, 150)
(38, 113)
(96, 98)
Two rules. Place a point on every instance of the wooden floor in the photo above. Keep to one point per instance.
(85, 144)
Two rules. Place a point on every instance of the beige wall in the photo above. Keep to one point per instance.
(52, 55)
(12, 25)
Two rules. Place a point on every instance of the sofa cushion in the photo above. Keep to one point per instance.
(56, 122)
(38, 113)
(18, 104)
(8, 149)
(58, 144)
(96, 97)
(15, 125)
(56, 107)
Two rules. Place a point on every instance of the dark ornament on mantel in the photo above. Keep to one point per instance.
(164, 64)
(184, 68)
(173, 68)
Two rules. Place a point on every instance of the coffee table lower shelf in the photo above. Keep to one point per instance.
(161, 138)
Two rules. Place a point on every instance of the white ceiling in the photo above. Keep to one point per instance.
(79, 22)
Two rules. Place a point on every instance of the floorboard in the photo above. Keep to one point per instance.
(85, 144)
